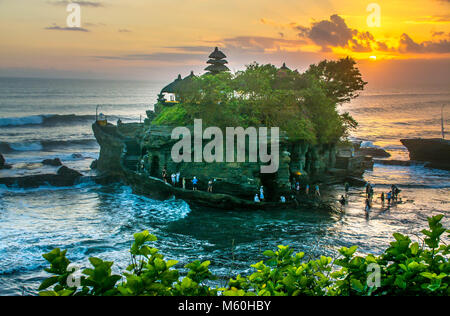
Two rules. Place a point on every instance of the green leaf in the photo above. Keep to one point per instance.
(48, 282)
(415, 248)
(356, 285)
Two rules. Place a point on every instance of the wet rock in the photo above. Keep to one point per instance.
(77, 156)
(65, 177)
(52, 162)
(356, 182)
(373, 152)
(3, 164)
(435, 151)
(94, 164)
(438, 165)
(68, 173)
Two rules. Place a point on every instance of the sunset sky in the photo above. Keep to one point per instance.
(157, 39)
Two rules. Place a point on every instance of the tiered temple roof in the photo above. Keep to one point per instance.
(217, 62)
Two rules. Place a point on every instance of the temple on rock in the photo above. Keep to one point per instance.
(169, 94)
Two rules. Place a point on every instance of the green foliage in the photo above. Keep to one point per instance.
(341, 79)
(174, 115)
(405, 268)
(302, 105)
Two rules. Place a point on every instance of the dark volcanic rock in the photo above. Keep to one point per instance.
(68, 173)
(94, 164)
(111, 148)
(65, 177)
(374, 152)
(432, 150)
(52, 162)
(356, 182)
(3, 164)
(437, 165)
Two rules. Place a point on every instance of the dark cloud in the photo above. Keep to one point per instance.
(336, 33)
(164, 57)
(192, 49)
(326, 33)
(93, 4)
(260, 43)
(244, 44)
(437, 34)
(72, 29)
(94, 24)
(408, 45)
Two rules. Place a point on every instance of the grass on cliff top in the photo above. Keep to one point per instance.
(174, 116)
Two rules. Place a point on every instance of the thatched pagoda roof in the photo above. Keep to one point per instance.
(171, 88)
(216, 68)
(217, 54)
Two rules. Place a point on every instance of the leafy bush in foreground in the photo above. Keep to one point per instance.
(405, 268)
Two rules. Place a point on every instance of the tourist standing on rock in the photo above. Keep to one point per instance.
(174, 179)
(257, 200)
(210, 186)
(347, 188)
(164, 174)
(389, 197)
(368, 186)
(317, 190)
(194, 184)
(297, 187)
(261, 193)
(184, 183)
(307, 189)
(178, 177)
(343, 201)
(368, 206)
(283, 199)
(371, 193)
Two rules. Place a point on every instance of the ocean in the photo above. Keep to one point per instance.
(46, 118)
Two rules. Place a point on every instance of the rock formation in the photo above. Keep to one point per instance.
(56, 162)
(147, 149)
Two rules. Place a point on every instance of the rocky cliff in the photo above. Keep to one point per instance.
(147, 149)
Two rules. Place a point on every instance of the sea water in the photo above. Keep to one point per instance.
(42, 118)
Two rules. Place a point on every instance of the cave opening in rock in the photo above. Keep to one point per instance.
(268, 181)
(154, 166)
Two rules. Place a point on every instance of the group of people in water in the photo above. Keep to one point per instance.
(391, 197)
(296, 190)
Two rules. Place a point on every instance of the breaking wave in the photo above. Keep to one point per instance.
(47, 120)
(46, 145)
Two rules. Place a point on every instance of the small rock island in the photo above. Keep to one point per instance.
(313, 145)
